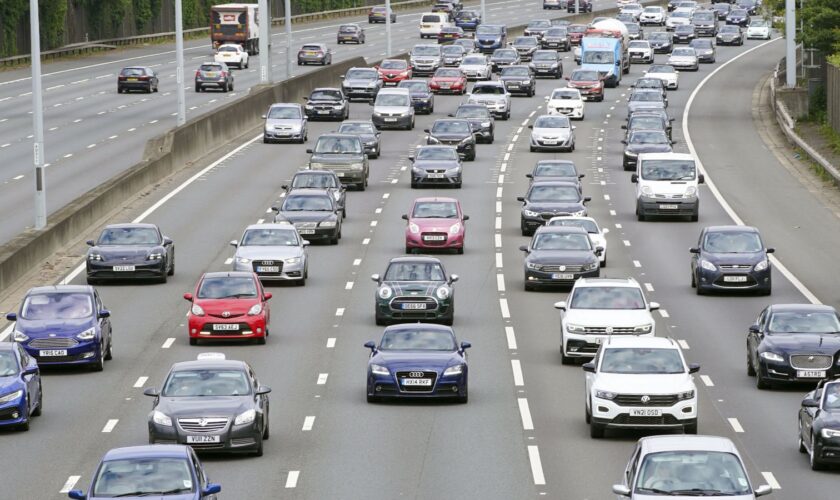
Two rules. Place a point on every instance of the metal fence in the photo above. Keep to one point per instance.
(832, 95)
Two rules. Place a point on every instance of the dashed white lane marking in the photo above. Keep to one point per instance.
(511, 337)
(17, 177)
(626, 243)
(322, 378)
(6, 98)
(497, 238)
(168, 343)
(500, 282)
(69, 484)
(507, 156)
(91, 146)
(498, 224)
(110, 424)
(55, 87)
(501, 178)
(68, 155)
(113, 137)
(330, 342)
(510, 147)
(499, 259)
(153, 122)
(648, 287)
(607, 197)
(525, 122)
(141, 381)
(617, 226)
(77, 120)
(683, 344)
(736, 426)
(525, 413)
(357, 262)
(348, 285)
(394, 181)
(636, 263)
(664, 313)
(499, 191)
(612, 212)
(260, 221)
(518, 379)
(268, 210)
(707, 380)
(373, 223)
(536, 465)
(6, 145)
(228, 261)
(378, 210)
(292, 478)
(339, 311)
(498, 207)
(385, 196)
(503, 305)
(308, 422)
(770, 479)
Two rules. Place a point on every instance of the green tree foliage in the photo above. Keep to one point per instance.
(52, 15)
(142, 13)
(11, 15)
(821, 25)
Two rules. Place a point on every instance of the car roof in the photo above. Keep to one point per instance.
(573, 217)
(60, 289)
(309, 192)
(554, 183)
(687, 442)
(611, 282)
(322, 89)
(425, 326)
(554, 161)
(316, 172)
(131, 225)
(338, 134)
(393, 90)
(436, 198)
(421, 258)
(493, 83)
(730, 229)
(624, 341)
(666, 156)
(209, 364)
(230, 274)
(271, 225)
(286, 105)
(561, 230)
(802, 308)
(147, 451)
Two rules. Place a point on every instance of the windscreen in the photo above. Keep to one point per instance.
(414, 271)
(637, 360)
(338, 145)
(661, 68)
(504, 54)
(451, 127)
(473, 112)
(435, 210)
(446, 153)
(554, 194)
(555, 170)
(526, 41)
(308, 203)
(136, 477)
(668, 170)
(559, 241)
(383, 99)
(425, 50)
(598, 57)
(8, 363)
(448, 73)
(585, 224)
(552, 121)
(227, 287)
(144, 236)
(584, 76)
(488, 90)
(356, 128)
(544, 56)
(325, 95)
(732, 242)
(314, 181)
(565, 95)
(488, 30)
(57, 306)
(361, 74)
(417, 340)
(648, 137)
(269, 238)
(416, 85)
(474, 60)
(393, 64)
(670, 473)
(513, 71)
(607, 297)
(198, 383)
(804, 322)
(284, 113)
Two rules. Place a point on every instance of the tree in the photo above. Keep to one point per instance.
(821, 25)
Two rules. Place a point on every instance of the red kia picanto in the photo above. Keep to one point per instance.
(435, 224)
(448, 80)
(394, 71)
(229, 305)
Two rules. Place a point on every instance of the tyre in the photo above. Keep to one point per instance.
(464, 397)
(149, 90)
(459, 251)
(39, 410)
(261, 341)
(109, 355)
(99, 365)
(171, 271)
(372, 399)
(587, 415)
(198, 88)
(381, 321)
(596, 431)
(813, 460)
(760, 382)
(266, 432)
(802, 448)
(604, 263)
(259, 451)
(750, 366)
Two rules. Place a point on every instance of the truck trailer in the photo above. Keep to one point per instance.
(235, 23)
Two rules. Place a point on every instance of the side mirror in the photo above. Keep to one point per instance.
(523, 248)
(574, 127)
(341, 77)
(104, 313)
(589, 367)
(263, 389)
(151, 391)
(771, 250)
(587, 199)
(634, 178)
(77, 494)
(370, 103)
(465, 346)
(90, 243)
(694, 250)
(234, 243)
(211, 489)
(426, 130)
(411, 159)
(754, 329)
(693, 367)
(267, 295)
(306, 99)
(599, 251)
(565, 77)
(32, 370)
(670, 119)
(453, 278)
(653, 306)
(11, 316)
(188, 296)
(309, 151)
(450, 115)
(465, 218)
(371, 345)
(305, 243)
(624, 141)
(520, 198)
(810, 403)
(530, 176)
(376, 278)
(560, 305)
(764, 489)
(531, 127)
(167, 241)
(621, 490)
(404, 216)
(701, 179)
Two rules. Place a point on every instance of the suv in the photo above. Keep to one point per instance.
(666, 185)
(600, 308)
(393, 109)
(345, 155)
(640, 384)
(362, 83)
(213, 74)
(494, 95)
(425, 59)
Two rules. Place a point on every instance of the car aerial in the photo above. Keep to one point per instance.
(578, 6)
(588, 82)
(275, 252)
(721, 9)
(468, 20)
(452, 54)
(448, 80)
(327, 104)
(314, 53)
(547, 199)
(212, 74)
(705, 50)
(285, 122)
(393, 108)
(345, 155)
(414, 289)
(552, 132)
(361, 83)
(436, 165)
(218, 405)
(490, 37)
(421, 95)
(730, 35)
(666, 73)
(566, 101)
(640, 51)
(432, 22)
(469, 44)
(64, 325)
(759, 28)
(599, 309)
(435, 224)
(679, 17)
(379, 14)
(576, 32)
(525, 46)
(751, 6)
(417, 360)
(367, 132)
(394, 71)
(682, 465)
(425, 59)
(648, 121)
(819, 424)
(793, 343)
(449, 34)
(504, 57)
(350, 33)
(738, 17)
(661, 41)
(559, 255)
(705, 22)
(232, 54)
(684, 33)
(150, 471)
(546, 63)
(556, 170)
(124, 251)
(494, 95)
(21, 397)
(644, 141)
(519, 80)
(635, 31)
(653, 15)
(476, 67)
(731, 258)
(324, 179)
(453, 132)
(313, 212)
(228, 306)
(537, 27)
(482, 122)
(597, 235)
(137, 78)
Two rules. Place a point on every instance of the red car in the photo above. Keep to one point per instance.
(589, 82)
(229, 305)
(394, 71)
(576, 32)
(435, 224)
(448, 80)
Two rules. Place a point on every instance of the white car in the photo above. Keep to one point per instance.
(552, 133)
(232, 55)
(634, 9)
(759, 29)
(621, 3)
(684, 59)
(600, 308)
(678, 17)
(597, 234)
(432, 22)
(492, 94)
(476, 67)
(666, 73)
(566, 101)
(640, 383)
(640, 51)
(653, 15)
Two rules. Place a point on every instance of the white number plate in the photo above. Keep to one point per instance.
(226, 326)
(53, 352)
(669, 207)
(203, 439)
(123, 268)
(306, 231)
(390, 119)
(810, 373)
(645, 412)
(436, 176)
(513, 86)
(549, 142)
(434, 238)
(323, 112)
(425, 382)
(414, 305)
(735, 279)
(562, 276)
(268, 269)
(340, 174)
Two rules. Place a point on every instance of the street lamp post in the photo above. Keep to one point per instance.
(288, 25)
(37, 118)
(790, 43)
(265, 42)
(179, 61)
(388, 28)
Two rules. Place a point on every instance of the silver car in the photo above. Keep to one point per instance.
(476, 67)
(684, 58)
(552, 133)
(494, 95)
(275, 252)
(285, 122)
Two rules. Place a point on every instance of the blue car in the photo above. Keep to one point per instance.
(731, 259)
(490, 37)
(158, 470)
(422, 98)
(468, 20)
(418, 361)
(20, 387)
(64, 325)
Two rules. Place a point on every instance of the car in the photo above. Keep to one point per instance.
(738, 17)
(721, 9)
(314, 53)
(21, 397)
(393, 109)
(679, 17)
(597, 235)
(640, 51)
(468, 20)
(578, 6)
(64, 325)
(672, 4)
(379, 14)
(367, 132)
(649, 83)
(393, 71)
(490, 37)
(671, 465)
(730, 35)
(432, 22)
(519, 80)
(661, 41)
(470, 45)
(640, 383)
(453, 132)
(759, 28)
(422, 97)
(525, 46)
(554, 4)
(648, 121)
(232, 54)
(137, 78)
(448, 80)
(576, 32)
(731, 258)
(361, 83)
(559, 255)
(345, 155)
(751, 6)
(684, 58)
(644, 141)
(537, 27)
(425, 59)
(213, 74)
(666, 73)
(553, 133)
(819, 425)
(133, 250)
(229, 305)
(449, 34)
(436, 165)
(546, 63)
(588, 82)
(645, 99)
(626, 17)
(635, 31)
(476, 67)
(435, 224)
(684, 33)
(325, 179)
(634, 9)
(350, 33)
(417, 361)
(452, 54)
(705, 22)
(275, 252)
(556, 37)
(481, 120)
(705, 50)
(446, 8)
(414, 288)
(494, 95)
(149, 470)
(285, 122)
(653, 14)
(556, 170)
(598, 309)
(547, 199)
(327, 103)
(566, 101)
(504, 57)
(314, 212)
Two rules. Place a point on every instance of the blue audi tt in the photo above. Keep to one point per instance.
(20, 387)
(417, 360)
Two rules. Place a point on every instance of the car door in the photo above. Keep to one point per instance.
(33, 380)
(590, 377)
(261, 400)
(695, 256)
(104, 323)
(754, 335)
(806, 415)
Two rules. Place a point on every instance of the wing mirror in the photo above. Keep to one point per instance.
(634, 178)
(77, 494)
(211, 489)
(621, 490)
(693, 367)
(701, 179)
(754, 329)
(404, 216)
(104, 313)
(764, 489)
(599, 251)
(653, 306)
(275, 209)
(453, 278)
(810, 403)
(531, 127)
(524, 248)
(605, 230)
(90, 243)
(694, 250)
(587, 199)
(263, 389)
(465, 218)
(560, 305)
(11, 316)
(167, 241)
(371, 345)
(234, 243)
(465, 346)
(309, 151)
(263, 117)
(268, 295)
(589, 367)
(771, 250)
(188, 296)
(151, 391)
(376, 278)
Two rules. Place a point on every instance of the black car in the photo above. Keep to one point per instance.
(684, 33)
(314, 212)
(738, 17)
(361, 83)
(137, 78)
(580, 5)
(320, 179)
(525, 46)
(705, 50)
(211, 404)
(559, 255)
(648, 121)
(436, 165)
(661, 41)
(327, 104)
(519, 80)
(452, 55)
(819, 425)
(705, 22)
(537, 28)
(751, 6)
(482, 121)
(547, 63)
(125, 251)
(502, 58)
(367, 132)
(793, 343)
(556, 38)
(453, 132)
(660, 113)
(422, 97)
(213, 74)
(730, 258)
(721, 9)
(644, 141)
(556, 170)
(730, 35)
(635, 31)
(548, 199)
(350, 33)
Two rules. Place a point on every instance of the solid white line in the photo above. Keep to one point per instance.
(339, 311)
(499, 260)
(330, 342)
(683, 344)
(292, 478)
(110, 424)
(525, 413)
(511, 337)
(707, 380)
(504, 306)
(518, 379)
(141, 381)
(322, 378)
(308, 422)
(736, 426)
(536, 465)
(69, 484)
(500, 282)
(168, 343)
(348, 285)
(770, 479)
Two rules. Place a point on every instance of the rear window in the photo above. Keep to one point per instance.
(133, 72)
(311, 47)
(432, 18)
(211, 67)
(348, 29)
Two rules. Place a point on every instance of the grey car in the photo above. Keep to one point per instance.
(327, 104)
(393, 109)
(526, 46)
(345, 155)
(556, 170)
(504, 57)
(361, 83)
(275, 252)
(705, 50)
(213, 74)
(320, 179)
(367, 132)
(314, 214)
(348, 33)
(547, 63)
(285, 122)
(481, 120)
(436, 165)
(645, 99)
(452, 54)
(519, 80)
(314, 53)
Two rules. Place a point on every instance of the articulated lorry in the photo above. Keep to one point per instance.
(235, 23)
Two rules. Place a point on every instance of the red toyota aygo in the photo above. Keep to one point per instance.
(229, 305)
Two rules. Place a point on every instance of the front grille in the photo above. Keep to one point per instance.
(735, 266)
(602, 330)
(207, 446)
(210, 425)
(417, 388)
(636, 400)
(626, 419)
(53, 343)
(810, 361)
(306, 225)
(221, 315)
(397, 304)
(557, 269)
(549, 215)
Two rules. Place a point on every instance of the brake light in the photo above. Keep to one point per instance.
(197, 73)
(224, 73)
(144, 78)
(120, 78)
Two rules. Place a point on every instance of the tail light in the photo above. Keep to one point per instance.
(224, 74)
(144, 78)
(121, 78)
(197, 73)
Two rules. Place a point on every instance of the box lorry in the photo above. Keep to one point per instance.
(235, 23)
(603, 55)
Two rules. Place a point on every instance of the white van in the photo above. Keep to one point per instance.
(432, 22)
(667, 186)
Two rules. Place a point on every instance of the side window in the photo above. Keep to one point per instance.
(762, 320)
(24, 358)
(630, 473)
(253, 377)
(199, 471)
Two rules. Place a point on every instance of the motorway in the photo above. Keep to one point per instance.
(522, 434)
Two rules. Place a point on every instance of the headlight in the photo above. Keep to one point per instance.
(532, 265)
(830, 433)
(466, 141)
(647, 191)
(433, 140)
(308, 106)
(197, 310)
(379, 370)
(443, 292)
(385, 292)
(454, 370)
(691, 191)
(316, 165)
(154, 256)
(161, 419)
(455, 228)
(575, 328)
(591, 267)
(357, 166)
(772, 356)
(327, 223)
(643, 328)
(255, 309)
(292, 260)
(243, 260)
(705, 264)
(87, 334)
(19, 336)
(414, 228)
(682, 396)
(529, 213)
(485, 124)
(246, 417)
(377, 114)
(17, 394)
(526, 82)
(761, 266)
(95, 256)
(605, 395)
(453, 170)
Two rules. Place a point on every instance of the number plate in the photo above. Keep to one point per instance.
(268, 269)
(645, 412)
(123, 268)
(226, 326)
(323, 112)
(390, 119)
(562, 276)
(434, 238)
(311, 53)
(423, 382)
(735, 279)
(340, 174)
(810, 373)
(210, 74)
(132, 79)
(53, 352)
(669, 207)
(203, 439)
(549, 142)
(436, 176)
(414, 305)
(513, 86)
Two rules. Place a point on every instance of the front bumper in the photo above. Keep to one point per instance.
(424, 69)
(348, 176)
(382, 122)
(571, 112)
(444, 88)
(324, 114)
(540, 144)
(519, 88)
(706, 58)
(608, 413)
(488, 47)
(442, 387)
(783, 371)
(543, 278)
(667, 207)
(435, 179)
(685, 66)
(591, 93)
(828, 450)
(13, 412)
(143, 270)
(85, 352)
(579, 345)
(317, 233)
(662, 49)
(248, 327)
(359, 93)
(233, 438)
(286, 272)
(443, 310)
(641, 57)
(722, 279)
(432, 241)
(705, 31)
(282, 135)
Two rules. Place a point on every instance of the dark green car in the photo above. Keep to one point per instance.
(415, 289)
